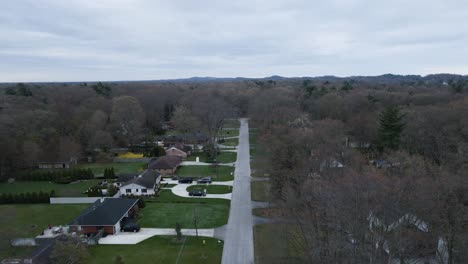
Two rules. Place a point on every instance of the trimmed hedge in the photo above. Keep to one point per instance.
(57, 176)
(26, 198)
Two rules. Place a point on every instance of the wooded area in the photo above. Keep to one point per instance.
(367, 169)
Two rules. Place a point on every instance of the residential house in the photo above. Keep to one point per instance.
(104, 214)
(173, 151)
(166, 165)
(145, 183)
(178, 149)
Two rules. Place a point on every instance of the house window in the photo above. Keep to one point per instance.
(128, 190)
(143, 190)
(136, 190)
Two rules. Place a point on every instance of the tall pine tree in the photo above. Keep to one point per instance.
(391, 127)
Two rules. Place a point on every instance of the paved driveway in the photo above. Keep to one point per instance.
(145, 233)
(181, 189)
(194, 163)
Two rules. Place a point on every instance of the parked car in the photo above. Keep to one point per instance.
(131, 227)
(204, 180)
(175, 177)
(197, 192)
(185, 180)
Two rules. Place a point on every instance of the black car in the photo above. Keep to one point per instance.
(131, 227)
(204, 180)
(186, 180)
(197, 192)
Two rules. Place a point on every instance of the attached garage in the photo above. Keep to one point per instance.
(104, 214)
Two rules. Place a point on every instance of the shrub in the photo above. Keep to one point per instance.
(24, 198)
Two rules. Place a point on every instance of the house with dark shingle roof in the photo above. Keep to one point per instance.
(165, 165)
(145, 183)
(106, 214)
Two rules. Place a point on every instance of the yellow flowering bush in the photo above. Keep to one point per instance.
(130, 155)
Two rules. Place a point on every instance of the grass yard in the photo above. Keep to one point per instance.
(31, 219)
(223, 172)
(166, 215)
(166, 196)
(223, 157)
(161, 249)
(229, 132)
(98, 168)
(253, 134)
(167, 209)
(231, 142)
(232, 123)
(201, 155)
(273, 244)
(61, 190)
(227, 157)
(212, 189)
(261, 191)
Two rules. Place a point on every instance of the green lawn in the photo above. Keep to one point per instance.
(98, 168)
(200, 154)
(166, 215)
(232, 123)
(167, 209)
(29, 220)
(62, 190)
(229, 133)
(275, 244)
(227, 157)
(166, 196)
(39, 215)
(231, 142)
(261, 191)
(161, 249)
(223, 157)
(212, 189)
(253, 134)
(223, 172)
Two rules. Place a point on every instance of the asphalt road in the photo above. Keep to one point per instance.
(238, 244)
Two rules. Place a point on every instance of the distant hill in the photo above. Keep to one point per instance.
(385, 78)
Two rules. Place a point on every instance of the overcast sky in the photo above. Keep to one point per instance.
(90, 40)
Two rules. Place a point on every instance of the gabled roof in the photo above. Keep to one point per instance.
(125, 177)
(165, 162)
(180, 146)
(146, 179)
(105, 213)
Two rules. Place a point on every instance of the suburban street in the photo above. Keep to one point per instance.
(238, 246)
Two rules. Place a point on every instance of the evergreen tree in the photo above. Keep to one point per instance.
(391, 127)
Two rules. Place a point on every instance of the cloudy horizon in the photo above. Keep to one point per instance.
(112, 40)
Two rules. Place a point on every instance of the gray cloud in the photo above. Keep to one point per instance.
(77, 40)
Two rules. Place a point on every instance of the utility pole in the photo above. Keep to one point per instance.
(195, 220)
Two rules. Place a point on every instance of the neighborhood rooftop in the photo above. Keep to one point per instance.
(107, 212)
(165, 162)
(146, 179)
